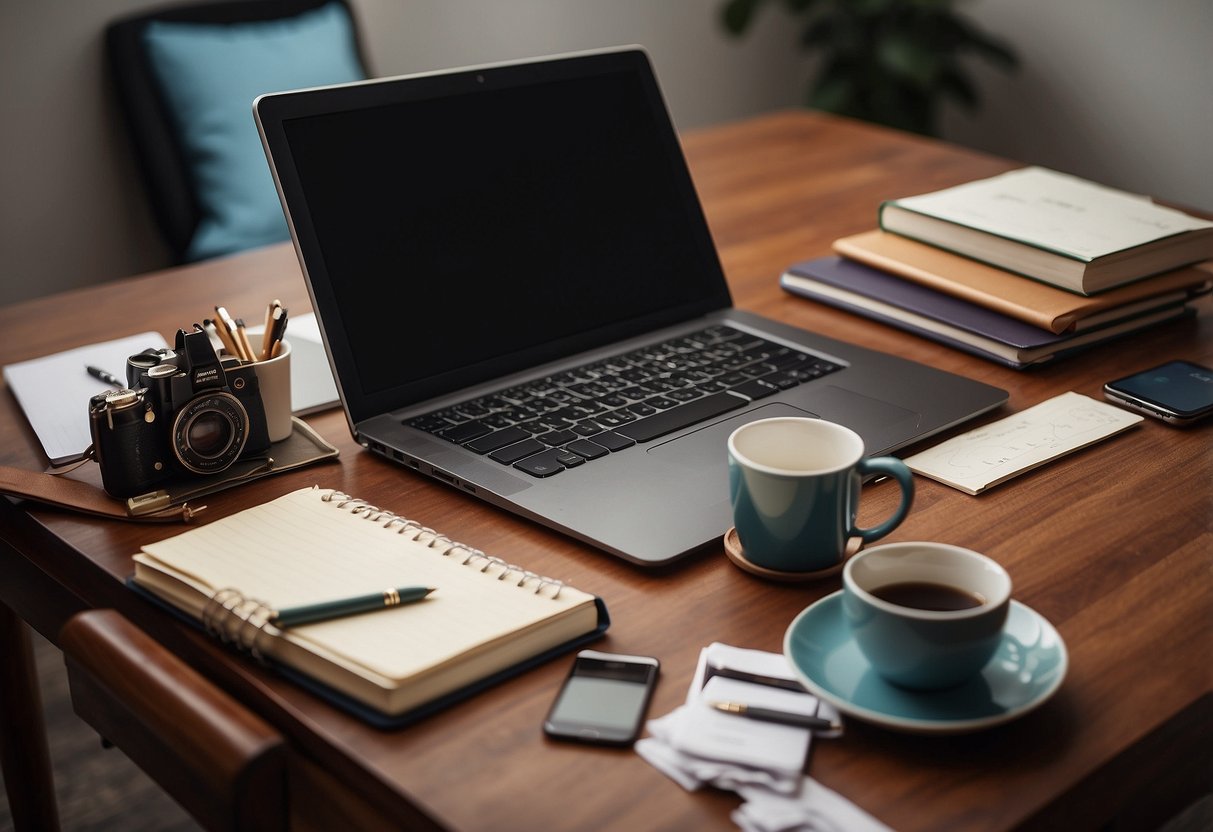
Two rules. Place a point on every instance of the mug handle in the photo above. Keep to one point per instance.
(896, 469)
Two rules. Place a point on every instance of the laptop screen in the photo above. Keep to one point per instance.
(458, 227)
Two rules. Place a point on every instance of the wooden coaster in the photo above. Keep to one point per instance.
(732, 548)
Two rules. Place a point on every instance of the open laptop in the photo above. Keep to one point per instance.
(520, 297)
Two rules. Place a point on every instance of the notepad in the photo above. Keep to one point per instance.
(54, 390)
(994, 453)
(486, 619)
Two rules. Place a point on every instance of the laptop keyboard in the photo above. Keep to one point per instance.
(604, 407)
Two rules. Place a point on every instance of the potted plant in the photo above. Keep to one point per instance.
(887, 61)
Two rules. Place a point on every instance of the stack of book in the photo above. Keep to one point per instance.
(1021, 268)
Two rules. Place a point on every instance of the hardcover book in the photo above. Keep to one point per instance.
(1030, 301)
(949, 320)
(1053, 227)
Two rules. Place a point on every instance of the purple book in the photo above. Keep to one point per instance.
(874, 294)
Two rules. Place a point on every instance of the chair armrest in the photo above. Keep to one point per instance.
(222, 763)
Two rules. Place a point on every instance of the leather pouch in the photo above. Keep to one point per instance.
(170, 502)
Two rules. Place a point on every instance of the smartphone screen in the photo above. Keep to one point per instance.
(603, 699)
(1176, 391)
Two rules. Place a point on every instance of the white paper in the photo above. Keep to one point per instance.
(994, 453)
(1055, 211)
(312, 384)
(707, 732)
(778, 798)
(54, 390)
(813, 808)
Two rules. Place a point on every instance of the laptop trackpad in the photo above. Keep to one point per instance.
(708, 446)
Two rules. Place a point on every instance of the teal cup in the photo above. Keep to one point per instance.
(926, 616)
(795, 487)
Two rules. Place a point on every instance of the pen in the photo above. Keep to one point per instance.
(782, 717)
(108, 378)
(310, 613)
(276, 331)
(246, 348)
(753, 678)
(269, 325)
(226, 327)
(224, 338)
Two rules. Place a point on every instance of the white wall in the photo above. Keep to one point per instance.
(1118, 91)
(1115, 90)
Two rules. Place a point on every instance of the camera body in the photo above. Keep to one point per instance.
(185, 412)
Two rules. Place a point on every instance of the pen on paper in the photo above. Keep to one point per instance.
(769, 715)
(327, 610)
(102, 375)
(753, 678)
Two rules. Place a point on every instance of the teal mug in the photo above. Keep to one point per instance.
(925, 615)
(795, 487)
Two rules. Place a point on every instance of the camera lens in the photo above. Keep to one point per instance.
(209, 432)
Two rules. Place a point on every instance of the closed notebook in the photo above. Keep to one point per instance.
(485, 620)
(1030, 301)
(875, 294)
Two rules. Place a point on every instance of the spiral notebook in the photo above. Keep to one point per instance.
(486, 620)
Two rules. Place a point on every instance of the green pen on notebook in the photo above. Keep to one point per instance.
(311, 613)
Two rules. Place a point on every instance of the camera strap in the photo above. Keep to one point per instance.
(172, 501)
(80, 496)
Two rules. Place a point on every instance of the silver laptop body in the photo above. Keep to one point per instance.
(511, 260)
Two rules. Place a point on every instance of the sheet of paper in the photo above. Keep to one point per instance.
(707, 732)
(312, 385)
(1056, 211)
(994, 453)
(54, 390)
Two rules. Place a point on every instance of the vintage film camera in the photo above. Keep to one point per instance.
(185, 412)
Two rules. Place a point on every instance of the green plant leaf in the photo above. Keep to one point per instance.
(909, 61)
(835, 90)
(954, 84)
(736, 15)
(819, 33)
(993, 49)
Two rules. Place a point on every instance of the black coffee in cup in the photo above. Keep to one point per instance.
(934, 597)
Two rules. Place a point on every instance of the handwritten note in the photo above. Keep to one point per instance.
(994, 453)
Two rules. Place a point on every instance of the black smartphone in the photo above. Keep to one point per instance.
(603, 699)
(1178, 392)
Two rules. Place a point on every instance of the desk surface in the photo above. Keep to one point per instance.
(1113, 545)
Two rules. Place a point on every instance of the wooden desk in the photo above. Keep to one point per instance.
(1113, 545)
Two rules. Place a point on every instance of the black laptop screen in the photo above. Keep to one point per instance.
(466, 234)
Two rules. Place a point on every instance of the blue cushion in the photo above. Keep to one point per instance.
(210, 74)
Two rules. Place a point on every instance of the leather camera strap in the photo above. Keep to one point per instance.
(170, 502)
(80, 496)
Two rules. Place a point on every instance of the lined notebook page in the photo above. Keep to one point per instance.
(299, 549)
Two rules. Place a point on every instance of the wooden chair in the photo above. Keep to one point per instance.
(223, 764)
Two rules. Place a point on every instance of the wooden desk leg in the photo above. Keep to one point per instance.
(24, 754)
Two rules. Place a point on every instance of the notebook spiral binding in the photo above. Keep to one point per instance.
(471, 556)
(237, 620)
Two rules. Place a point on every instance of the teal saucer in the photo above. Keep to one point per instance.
(1027, 669)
